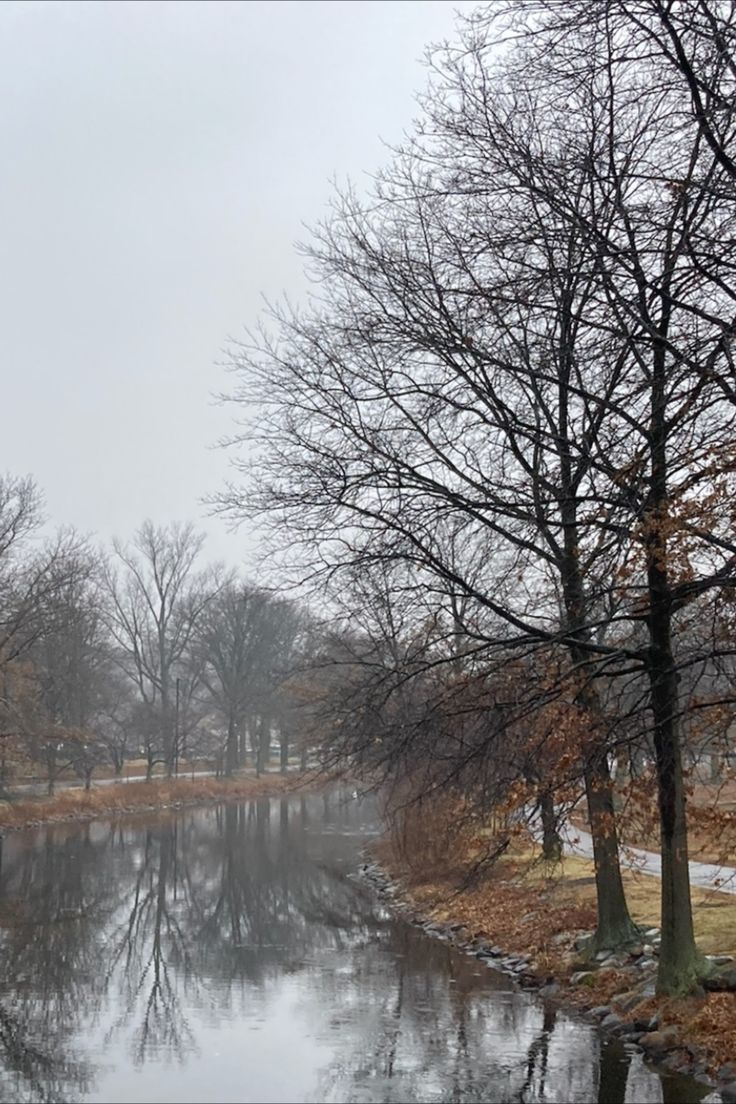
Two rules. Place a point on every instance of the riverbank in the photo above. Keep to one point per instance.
(532, 921)
(152, 796)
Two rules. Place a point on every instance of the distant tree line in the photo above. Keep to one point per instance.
(142, 652)
(500, 435)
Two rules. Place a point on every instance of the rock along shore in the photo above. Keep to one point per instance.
(622, 1015)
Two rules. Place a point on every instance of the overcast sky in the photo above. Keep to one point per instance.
(159, 160)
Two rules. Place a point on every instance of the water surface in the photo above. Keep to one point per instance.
(230, 954)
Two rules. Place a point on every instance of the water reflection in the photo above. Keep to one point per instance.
(228, 954)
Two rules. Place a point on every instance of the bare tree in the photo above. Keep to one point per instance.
(25, 571)
(71, 663)
(662, 226)
(527, 331)
(156, 599)
(438, 388)
(230, 640)
(115, 719)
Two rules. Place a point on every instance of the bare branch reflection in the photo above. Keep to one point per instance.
(127, 944)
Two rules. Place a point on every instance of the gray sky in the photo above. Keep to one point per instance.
(159, 160)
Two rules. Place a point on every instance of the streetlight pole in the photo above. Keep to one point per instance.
(176, 729)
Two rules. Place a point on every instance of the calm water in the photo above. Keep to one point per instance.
(228, 954)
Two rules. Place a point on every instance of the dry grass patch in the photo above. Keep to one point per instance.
(514, 905)
(523, 904)
(714, 913)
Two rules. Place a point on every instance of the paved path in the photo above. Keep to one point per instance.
(705, 875)
(41, 788)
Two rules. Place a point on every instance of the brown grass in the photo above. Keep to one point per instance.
(156, 794)
(572, 879)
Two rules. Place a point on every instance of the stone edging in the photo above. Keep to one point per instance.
(660, 1046)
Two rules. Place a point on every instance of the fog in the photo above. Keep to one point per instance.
(160, 161)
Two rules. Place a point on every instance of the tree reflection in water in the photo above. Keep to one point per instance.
(125, 944)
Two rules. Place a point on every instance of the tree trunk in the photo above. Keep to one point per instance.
(231, 748)
(715, 766)
(284, 750)
(242, 744)
(551, 842)
(253, 732)
(264, 740)
(680, 963)
(167, 729)
(51, 775)
(614, 924)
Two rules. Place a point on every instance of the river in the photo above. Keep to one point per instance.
(231, 954)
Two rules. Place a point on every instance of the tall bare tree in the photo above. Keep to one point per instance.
(230, 639)
(72, 664)
(527, 330)
(157, 596)
(661, 224)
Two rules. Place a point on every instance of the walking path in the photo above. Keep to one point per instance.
(41, 787)
(576, 841)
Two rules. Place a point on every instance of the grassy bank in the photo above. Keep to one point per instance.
(159, 793)
(537, 912)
